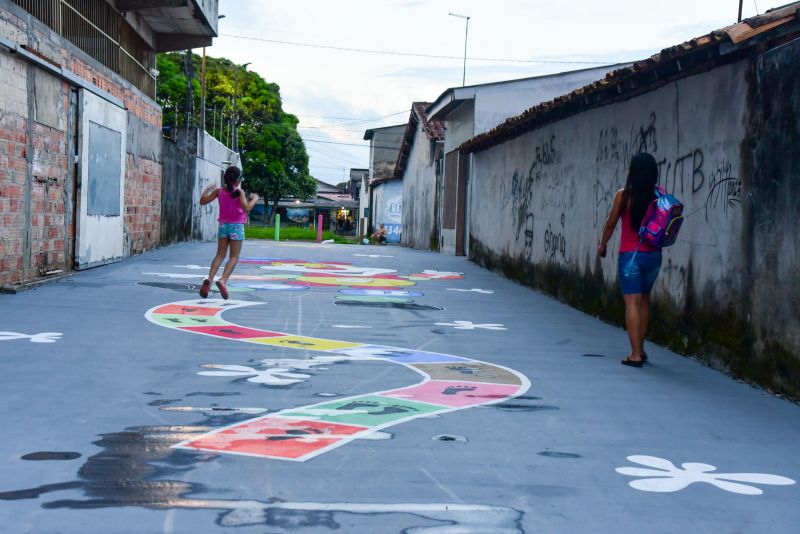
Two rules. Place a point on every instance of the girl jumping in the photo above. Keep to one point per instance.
(233, 208)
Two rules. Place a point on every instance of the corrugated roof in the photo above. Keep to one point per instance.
(671, 63)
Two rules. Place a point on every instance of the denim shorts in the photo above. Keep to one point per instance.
(232, 231)
(638, 271)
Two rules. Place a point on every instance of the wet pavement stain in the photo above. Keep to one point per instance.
(183, 288)
(389, 305)
(130, 472)
(515, 407)
(162, 402)
(51, 455)
(448, 437)
(212, 394)
(556, 454)
(150, 393)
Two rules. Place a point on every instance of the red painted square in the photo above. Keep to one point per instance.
(177, 309)
(231, 331)
(275, 436)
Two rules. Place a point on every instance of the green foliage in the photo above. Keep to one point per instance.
(290, 233)
(274, 157)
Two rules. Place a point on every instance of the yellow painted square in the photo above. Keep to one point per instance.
(306, 343)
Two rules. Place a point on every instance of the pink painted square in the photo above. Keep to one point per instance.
(177, 309)
(450, 393)
(275, 437)
(231, 331)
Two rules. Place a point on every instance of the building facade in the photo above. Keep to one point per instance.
(80, 140)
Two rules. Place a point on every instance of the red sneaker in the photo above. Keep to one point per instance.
(223, 290)
(204, 289)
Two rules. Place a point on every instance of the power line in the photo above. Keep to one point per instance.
(350, 118)
(349, 144)
(411, 54)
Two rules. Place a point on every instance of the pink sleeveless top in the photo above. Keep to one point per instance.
(230, 209)
(630, 238)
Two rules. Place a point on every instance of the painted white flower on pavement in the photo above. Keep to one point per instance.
(275, 376)
(43, 337)
(469, 325)
(474, 290)
(666, 477)
(279, 372)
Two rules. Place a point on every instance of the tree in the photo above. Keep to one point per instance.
(274, 158)
(275, 163)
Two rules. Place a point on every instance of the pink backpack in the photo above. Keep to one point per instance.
(662, 220)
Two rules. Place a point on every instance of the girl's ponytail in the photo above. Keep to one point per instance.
(232, 175)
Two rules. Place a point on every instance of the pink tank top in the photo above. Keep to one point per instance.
(630, 238)
(230, 208)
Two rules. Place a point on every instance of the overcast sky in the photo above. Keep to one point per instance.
(338, 94)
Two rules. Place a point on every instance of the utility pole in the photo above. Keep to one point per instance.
(203, 91)
(466, 32)
(189, 70)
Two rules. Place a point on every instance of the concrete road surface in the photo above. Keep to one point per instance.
(365, 389)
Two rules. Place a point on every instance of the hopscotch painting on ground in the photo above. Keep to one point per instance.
(448, 383)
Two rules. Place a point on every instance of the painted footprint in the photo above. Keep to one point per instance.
(299, 434)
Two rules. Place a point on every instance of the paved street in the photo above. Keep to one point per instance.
(365, 389)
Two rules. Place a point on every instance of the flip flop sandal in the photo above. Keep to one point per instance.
(223, 290)
(632, 363)
(204, 289)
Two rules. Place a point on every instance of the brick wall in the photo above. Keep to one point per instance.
(36, 189)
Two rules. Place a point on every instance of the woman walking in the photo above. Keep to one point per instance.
(639, 262)
(233, 208)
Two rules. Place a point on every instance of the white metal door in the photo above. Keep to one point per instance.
(101, 190)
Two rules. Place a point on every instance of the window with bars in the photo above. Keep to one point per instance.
(101, 31)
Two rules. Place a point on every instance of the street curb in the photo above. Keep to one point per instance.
(10, 289)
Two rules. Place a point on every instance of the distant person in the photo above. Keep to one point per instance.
(233, 208)
(379, 235)
(639, 262)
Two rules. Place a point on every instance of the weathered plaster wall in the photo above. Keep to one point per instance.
(539, 201)
(419, 229)
(210, 166)
(384, 147)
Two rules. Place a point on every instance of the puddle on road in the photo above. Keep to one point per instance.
(134, 467)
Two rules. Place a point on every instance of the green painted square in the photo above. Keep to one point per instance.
(369, 410)
(177, 320)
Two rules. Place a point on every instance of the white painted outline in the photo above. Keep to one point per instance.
(523, 387)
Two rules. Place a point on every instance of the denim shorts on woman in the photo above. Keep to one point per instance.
(232, 231)
(638, 271)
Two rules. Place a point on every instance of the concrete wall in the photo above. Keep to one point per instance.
(539, 201)
(384, 147)
(192, 162)
(388, 205)
(38, 118)
(420, 187)
(210, 166)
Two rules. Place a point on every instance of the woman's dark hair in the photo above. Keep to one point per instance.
(232, 175)
(640, 187)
